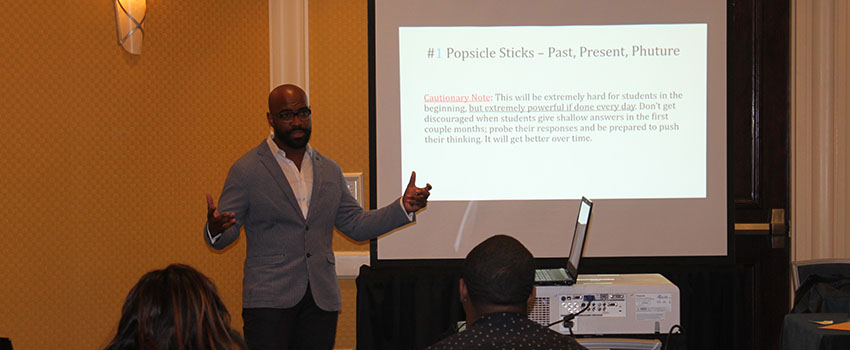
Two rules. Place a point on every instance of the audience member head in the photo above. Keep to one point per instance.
(498, 276)
(175, 308)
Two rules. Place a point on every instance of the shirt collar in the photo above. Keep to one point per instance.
(505, 314)
(500, 315)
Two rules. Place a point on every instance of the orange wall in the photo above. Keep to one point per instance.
(339, 89)
(106, 157)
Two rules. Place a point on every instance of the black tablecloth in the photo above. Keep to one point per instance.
(408, 308)
(799, 332)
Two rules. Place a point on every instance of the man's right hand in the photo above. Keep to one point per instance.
(218, 222)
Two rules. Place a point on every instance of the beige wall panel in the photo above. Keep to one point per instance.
(820, 149)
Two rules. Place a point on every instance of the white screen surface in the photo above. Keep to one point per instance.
(475, 95)
(513, 111)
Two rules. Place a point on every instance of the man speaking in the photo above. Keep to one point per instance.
(289, 197)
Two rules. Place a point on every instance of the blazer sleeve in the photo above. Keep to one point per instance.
(362, 225)
(234, 198)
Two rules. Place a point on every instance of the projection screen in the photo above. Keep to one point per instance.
(514, 110)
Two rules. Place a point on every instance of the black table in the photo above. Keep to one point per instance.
(798, 332)
(406, 308)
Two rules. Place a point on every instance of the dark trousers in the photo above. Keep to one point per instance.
(303, 326)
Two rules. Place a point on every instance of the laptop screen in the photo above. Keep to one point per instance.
(580, 231)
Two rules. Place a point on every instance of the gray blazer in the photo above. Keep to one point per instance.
(285, 251)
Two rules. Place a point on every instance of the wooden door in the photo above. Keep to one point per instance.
(759, 158)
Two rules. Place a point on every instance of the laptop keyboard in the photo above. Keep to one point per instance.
(547, 275)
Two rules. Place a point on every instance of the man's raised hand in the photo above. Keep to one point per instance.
(415, 198)
(218, 222)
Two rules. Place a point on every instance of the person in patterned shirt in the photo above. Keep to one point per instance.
(496, 291)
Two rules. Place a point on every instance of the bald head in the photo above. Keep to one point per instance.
(287, 97)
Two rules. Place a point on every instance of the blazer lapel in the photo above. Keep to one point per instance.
(318, 176)
(268, 160)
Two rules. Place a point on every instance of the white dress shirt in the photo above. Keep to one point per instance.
(301, 181)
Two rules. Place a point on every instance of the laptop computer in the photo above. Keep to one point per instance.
(567, 276)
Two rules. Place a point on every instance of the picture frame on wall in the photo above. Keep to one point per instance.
(355, 185)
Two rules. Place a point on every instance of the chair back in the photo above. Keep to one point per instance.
(821, 267)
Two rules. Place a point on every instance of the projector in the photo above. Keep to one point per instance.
(621, 304)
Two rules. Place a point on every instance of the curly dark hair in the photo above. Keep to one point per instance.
(175, 308)
(499, 271)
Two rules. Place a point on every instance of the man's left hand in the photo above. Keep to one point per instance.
(415, 198)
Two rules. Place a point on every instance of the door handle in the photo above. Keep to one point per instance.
(776, 229)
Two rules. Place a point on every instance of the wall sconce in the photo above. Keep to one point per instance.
(129, 17)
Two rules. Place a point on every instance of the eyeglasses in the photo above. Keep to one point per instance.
(288, 115)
